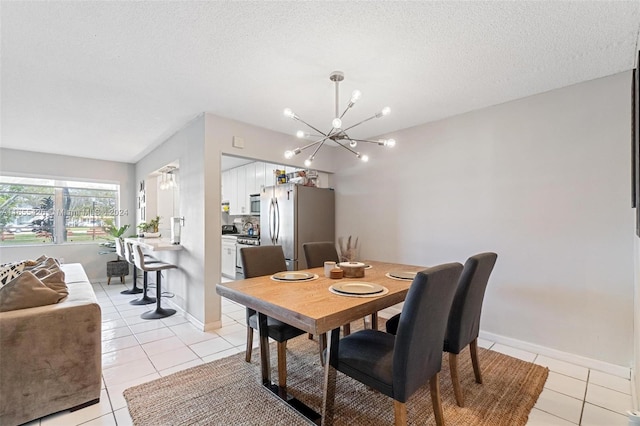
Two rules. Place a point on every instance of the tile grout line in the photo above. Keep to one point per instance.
(584, 399)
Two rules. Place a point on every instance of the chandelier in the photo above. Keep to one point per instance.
(338, 133)
(167, 178)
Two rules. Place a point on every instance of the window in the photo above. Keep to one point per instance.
(48, 211)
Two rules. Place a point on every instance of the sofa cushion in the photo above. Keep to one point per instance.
(27, 291)
(9, 271)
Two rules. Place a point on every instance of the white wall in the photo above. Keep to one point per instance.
(188, 282)
(259, 144)
(198, 147)
(24, 163)
(544, 182)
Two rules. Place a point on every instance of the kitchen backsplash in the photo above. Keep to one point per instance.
(243, 223)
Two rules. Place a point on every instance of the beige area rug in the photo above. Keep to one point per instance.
(228, 392)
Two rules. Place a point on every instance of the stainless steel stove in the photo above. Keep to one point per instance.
(244, 241)
(248, 240)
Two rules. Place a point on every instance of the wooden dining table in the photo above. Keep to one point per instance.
(312, 307)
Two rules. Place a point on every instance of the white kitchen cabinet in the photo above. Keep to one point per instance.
(237, 201)
(260, 176)
(233, 191)
(228, 258)
(251, 184)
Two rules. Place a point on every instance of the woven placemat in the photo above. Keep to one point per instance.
(228, 392)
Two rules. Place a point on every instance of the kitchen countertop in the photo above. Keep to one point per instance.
(155, 244)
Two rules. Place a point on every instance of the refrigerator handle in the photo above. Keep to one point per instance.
(278, 221)
(272, 229)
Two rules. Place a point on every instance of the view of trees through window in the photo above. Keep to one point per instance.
(47, 211)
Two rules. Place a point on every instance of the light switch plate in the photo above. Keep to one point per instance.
(238, 142)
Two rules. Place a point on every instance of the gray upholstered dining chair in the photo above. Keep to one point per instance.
(317, 253)
(398, 365)
(257, 262)
(463, 325)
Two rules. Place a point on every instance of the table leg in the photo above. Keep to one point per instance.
(330, 373)
(374, 321)
(265, 367)
(265, 358)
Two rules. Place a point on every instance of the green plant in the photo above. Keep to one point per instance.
(151, 226)
(113, 230)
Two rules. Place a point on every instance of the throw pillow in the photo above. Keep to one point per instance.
(9, 271)
(55, 281)
(26, 291)
(43, 271)
(42, 262)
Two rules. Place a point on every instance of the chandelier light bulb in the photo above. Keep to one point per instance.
(337, 134)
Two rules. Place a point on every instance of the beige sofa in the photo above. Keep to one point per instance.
(50, 356)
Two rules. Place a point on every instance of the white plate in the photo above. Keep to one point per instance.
(401, 275)
(293, 276)
(357, 287)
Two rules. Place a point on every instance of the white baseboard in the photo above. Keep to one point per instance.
(616, 370)
(193, 320)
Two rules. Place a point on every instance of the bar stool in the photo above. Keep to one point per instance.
(120, 251)
(158, 267)
(145, 299)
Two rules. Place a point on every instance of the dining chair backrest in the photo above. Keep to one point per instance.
(464, 319)
(262, 260)
(319, 252)
(421, 329)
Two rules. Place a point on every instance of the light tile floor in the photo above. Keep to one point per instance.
(135, 351)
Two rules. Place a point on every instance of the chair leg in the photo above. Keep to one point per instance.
(473, 347)
(346, 329)
(434, 386)
(455, 379)
(135, 289)
(400, 413)
(374, 321)
(282, 365)
(108, 280)
(121, 279)
(145, 299)
(160, 312)
(249, 349)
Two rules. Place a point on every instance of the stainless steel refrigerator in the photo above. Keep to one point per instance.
(291, 215)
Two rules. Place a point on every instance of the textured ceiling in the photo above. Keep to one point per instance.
(112, 80)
